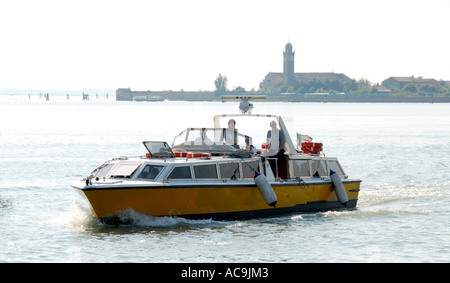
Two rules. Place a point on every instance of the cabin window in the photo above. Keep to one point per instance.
(230, 170)
(181, 172)
(301, 168)
(249, 168)
(102, 171)
(150, 171)
(207, 171)
(320, 167)
(124, 170)
(334, 165)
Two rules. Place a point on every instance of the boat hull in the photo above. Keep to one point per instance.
(227, 201)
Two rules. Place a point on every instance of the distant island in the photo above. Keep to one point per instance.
(126, 94)
(311, 87)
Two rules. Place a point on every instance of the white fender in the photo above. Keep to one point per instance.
(265, 189)
(339, 188)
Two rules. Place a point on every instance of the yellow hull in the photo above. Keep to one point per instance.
(222, 201)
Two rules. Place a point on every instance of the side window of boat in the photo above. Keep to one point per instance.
(150, 171)
(321, 167)
(207, 171)
(334, 165)
(249, 168)
(181, 172)
(301, 168)
(229, 170)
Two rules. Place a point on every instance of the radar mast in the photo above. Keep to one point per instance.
(244, 106)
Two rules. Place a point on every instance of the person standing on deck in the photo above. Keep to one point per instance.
(276, 142)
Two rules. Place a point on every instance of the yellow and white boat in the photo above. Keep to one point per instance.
(204, 176)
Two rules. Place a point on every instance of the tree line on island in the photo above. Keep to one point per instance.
(354, 87)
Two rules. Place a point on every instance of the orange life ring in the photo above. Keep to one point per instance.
(181, 154)
(312, 147)
(203, 155)
(194, 155)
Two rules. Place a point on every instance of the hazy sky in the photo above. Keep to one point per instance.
(179, 44)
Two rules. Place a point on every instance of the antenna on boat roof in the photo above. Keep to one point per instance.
(245, 106)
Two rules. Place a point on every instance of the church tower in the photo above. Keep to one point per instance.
(288, 65)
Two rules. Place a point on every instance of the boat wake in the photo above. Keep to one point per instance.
(80, 218)
(384, 193)
(405, 199)
(77, 218)
(132, 217)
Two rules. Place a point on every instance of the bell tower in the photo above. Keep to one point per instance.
(288, 65)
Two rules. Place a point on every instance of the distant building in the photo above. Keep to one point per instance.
(400, 82)
(277, 82)
(381, 89)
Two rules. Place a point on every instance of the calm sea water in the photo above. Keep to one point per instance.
(400, 151)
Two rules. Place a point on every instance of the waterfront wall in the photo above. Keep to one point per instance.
(126, 94)
(362, 99)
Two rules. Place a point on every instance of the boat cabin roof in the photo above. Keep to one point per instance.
(212, 168)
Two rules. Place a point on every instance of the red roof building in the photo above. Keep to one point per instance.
(277, 82)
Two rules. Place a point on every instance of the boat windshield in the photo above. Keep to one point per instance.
(211, 137)
(256, 126)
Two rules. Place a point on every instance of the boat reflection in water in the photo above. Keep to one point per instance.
(218, 173)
